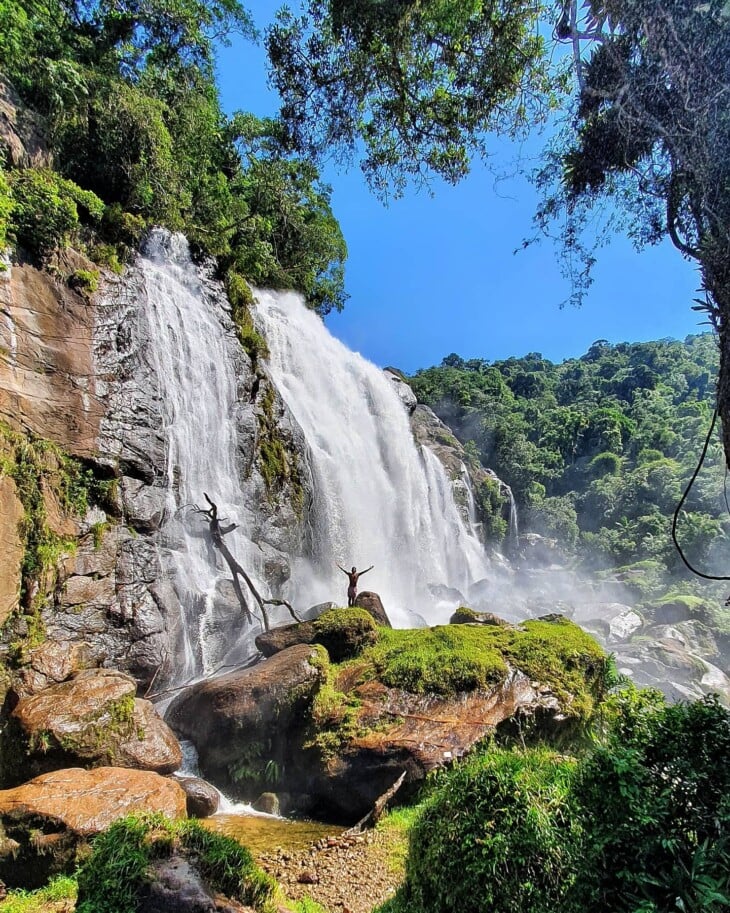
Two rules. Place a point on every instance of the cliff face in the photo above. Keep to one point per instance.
(77, 372)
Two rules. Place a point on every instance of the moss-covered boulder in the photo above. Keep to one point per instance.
(343, 632)
(417, 699)
(152, 864)
(92, 720)
(46, 824)
(466, 616)
(411, 701)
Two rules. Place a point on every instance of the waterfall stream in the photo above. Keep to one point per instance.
(191, 355)
(379, 499)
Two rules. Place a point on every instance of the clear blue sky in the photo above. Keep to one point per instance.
(428, 276)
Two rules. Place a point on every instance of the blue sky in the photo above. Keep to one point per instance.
(431, 275)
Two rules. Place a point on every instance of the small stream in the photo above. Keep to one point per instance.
(264, 833)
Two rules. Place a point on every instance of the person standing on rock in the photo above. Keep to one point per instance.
(353, 577)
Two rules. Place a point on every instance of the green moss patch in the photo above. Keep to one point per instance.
(57, 896)
(277, 461)
(454, 658)
(345, 632)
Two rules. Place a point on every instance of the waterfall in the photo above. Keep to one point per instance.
(379, 499)
(190, 351)
(513, 532)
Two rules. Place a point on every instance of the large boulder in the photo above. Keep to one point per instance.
(92, 720)
(372, 603)
(44, 822)
(415, 700)
(240, 723)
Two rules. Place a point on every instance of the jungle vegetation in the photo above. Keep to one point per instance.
(124, 95)
(599, 449)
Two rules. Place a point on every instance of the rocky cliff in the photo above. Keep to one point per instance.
(79, 397)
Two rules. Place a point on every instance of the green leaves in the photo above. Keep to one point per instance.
(418, 84)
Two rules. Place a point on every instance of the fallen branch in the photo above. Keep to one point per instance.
(376, 812)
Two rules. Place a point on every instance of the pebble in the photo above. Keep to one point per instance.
(346, 874)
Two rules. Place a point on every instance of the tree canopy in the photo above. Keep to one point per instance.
(132, 116)
(416, 85)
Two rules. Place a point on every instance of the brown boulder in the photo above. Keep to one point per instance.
(397, 731)
(240, 722)
(94, 719)
(278, 639)
(51, 663)
(202, 798)
(43, 822)
(371, 603)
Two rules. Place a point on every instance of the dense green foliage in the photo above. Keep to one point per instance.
(114, 876)
(598, 449)
(495, 835)
(418, 84)
(640, 823)
(138, 137)
(653, 805)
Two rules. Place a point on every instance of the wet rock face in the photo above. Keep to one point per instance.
(93, 719)
(431, 432)
(81, 375)
(22, 133)
(44, 822)
(11, 547)
(48, 381)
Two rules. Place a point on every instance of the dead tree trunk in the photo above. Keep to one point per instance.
(217, 532)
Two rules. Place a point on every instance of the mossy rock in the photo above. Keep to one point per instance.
(466, 616)
(345, 633)
(128, 864)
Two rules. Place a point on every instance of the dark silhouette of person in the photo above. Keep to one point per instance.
(353, 577)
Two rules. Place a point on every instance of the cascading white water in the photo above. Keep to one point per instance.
(191, 355)
(379, 499)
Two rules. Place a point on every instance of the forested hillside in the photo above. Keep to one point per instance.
(598, 449)
(128, 132)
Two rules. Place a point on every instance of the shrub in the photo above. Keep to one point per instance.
(85, 281)
(496, 836)
(654, 808)
(6, 208)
